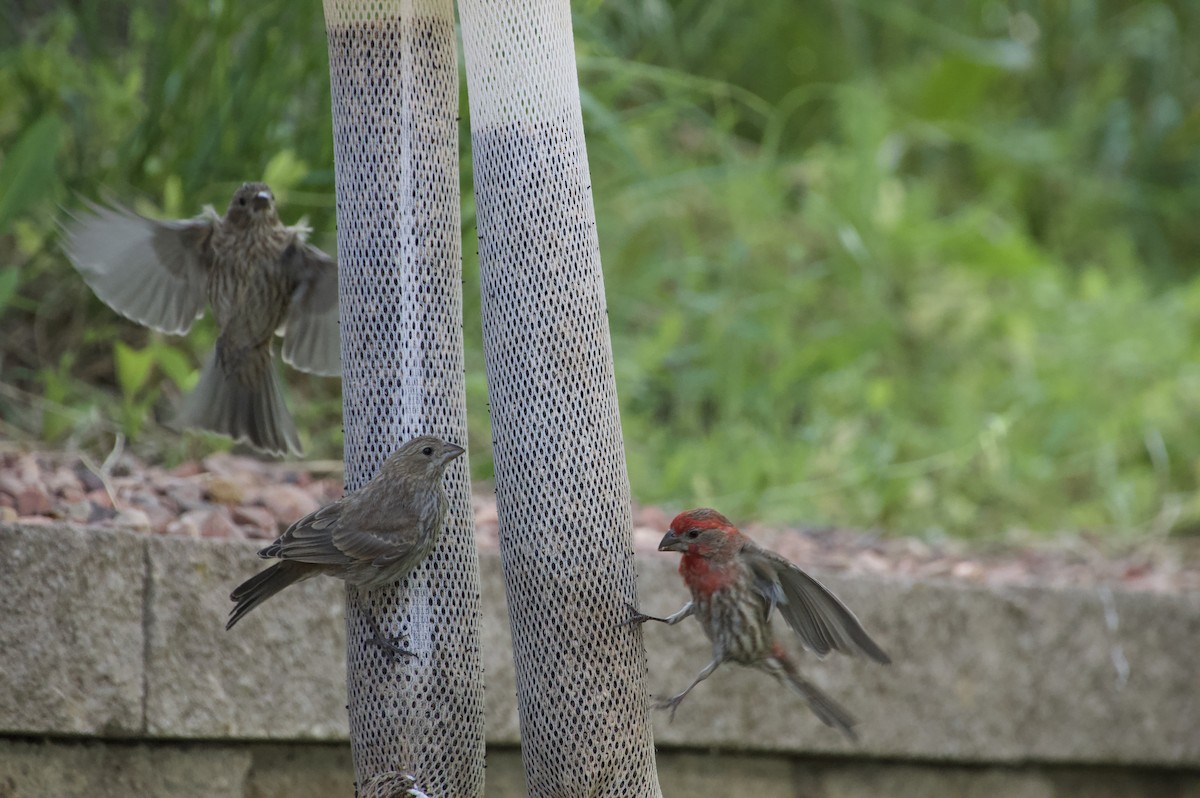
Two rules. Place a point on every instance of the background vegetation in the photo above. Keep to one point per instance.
(929, 265)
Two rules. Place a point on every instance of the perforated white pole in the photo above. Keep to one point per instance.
(395, 105)
(561, 484)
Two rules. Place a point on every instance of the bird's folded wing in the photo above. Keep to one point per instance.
(311, 539)
(310, 340)
(364, 540)
(821, 620)
(153, 272)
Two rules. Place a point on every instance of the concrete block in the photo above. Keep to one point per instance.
(278, 674)
(505, 773)
(299, 771)
(1111, 782)
(859, 779)
(71, 639)
(105, 770)
(116, 635)
(1115, 676)
(683, 775)
(978, 674)
(501, 719)
(869, 780)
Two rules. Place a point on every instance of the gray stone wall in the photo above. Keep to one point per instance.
(73, 769)
(118, 671)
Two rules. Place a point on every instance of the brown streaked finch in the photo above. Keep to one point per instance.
(371, 537)
(735, 586)
(260, 276)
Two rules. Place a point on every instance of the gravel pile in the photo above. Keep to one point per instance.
(240, 497)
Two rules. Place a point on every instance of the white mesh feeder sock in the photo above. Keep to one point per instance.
(560, 461)
(394, 77)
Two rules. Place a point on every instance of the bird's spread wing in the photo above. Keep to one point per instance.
(821, 620)
(153, 272)
(310, 341)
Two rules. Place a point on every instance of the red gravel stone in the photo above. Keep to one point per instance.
(11, 486)
(100, 498)
(189, 469)
(273, 495)
(34, 500)
(288, 503)
(61, 480)
(226, 490)
(132, 518)
(215, 523)
(256, 522)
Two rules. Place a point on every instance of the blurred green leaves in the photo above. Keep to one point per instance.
(10, 278)
(929, 266)
(27, 174)
(167, 109)
(933, 288)
(135, 369)
(284, 172)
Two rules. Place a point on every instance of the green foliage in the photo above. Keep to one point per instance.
(28, 172)
(907, 265)
(179, 103)
(141, 375)
(924, 265)
(10, 279)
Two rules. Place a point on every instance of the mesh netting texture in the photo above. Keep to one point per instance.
(561, 483)
(394, 77)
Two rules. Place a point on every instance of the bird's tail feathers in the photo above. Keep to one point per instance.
(830, 712)
(245, 403)
(262, 586)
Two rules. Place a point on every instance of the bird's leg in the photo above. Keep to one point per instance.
(670, 620)
(672, 703)
(390, 644)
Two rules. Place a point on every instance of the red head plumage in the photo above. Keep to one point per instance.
(709, 543)
(700, 519)
(702, 533)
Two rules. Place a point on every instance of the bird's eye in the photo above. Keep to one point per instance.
(241, 201)
(427, 451)
(693, 534)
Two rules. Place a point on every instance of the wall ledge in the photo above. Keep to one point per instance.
(114, 635)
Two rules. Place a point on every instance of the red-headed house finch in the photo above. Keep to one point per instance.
(260, 276)
(371, 537)
(735, 586)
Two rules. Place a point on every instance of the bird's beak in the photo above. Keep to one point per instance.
(671, 542)
(453, 451)
(262, 200)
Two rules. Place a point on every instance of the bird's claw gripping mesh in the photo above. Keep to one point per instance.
(561, 483)
(394, 77)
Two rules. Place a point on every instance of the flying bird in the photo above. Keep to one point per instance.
(260, 277)
(736, 585)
